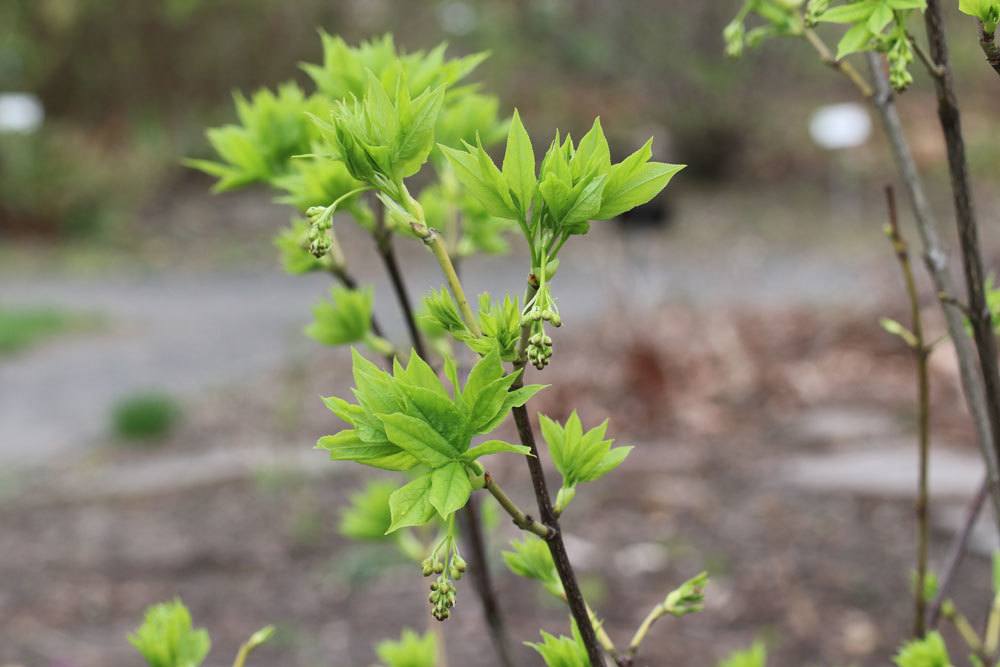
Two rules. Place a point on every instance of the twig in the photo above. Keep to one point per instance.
(957, 553)
(484, 582)
(965, 219)
(921, 352)
(987, 42)
(932, 67)
(842, 66)
(383, 242)
(936, 260)
(521, 519)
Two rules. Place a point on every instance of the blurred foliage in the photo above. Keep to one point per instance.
(145, 417)
(21, 328)
(128, 86)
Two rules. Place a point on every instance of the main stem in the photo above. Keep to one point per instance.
(936, 260)
(965, 218)
(987, 42)
(920, 353)
(574, 597)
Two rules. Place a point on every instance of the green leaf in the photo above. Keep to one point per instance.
(927, 652)
(854, 40)
(348, 445)
(416, 137)
(530, 558)
(593, 155)
(755, 656)
(412, 650)
(587, 202)
(880, 18)
(345, 318)
(482, 184)
(367, 515)
(417, 438)
(562, 651)
(167, 638)
(411, 504)
(854, 12)
(634, 181)
(495, 447)
(688, 598)
(450, 489)
(519, 164)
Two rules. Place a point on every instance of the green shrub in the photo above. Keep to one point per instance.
(148, 416)
(24, 327)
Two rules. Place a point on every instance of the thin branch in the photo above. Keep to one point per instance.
(921, 352)
(842, 66)
(935, 70)
(383, 242)
(987, 42)
(936, 260)
(484, 582)
(965, 218)
(957, 553)
(521, 519)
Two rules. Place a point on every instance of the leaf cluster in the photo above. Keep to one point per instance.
(166, 637)
(575, 183)
(499, 323)
(345, 318)
(927, 652)
(778, 18)
(409, 421)
(578, 455)
(755, 656)
(987, 11)
(411, 650)
(562, 651)
(530, 558)
(367, 515)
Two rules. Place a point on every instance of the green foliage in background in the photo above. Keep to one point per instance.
(24, 327)
(146, 416)
(755, 656)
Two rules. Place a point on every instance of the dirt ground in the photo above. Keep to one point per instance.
(715, 402)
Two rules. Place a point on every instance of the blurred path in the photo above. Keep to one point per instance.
(188, 333)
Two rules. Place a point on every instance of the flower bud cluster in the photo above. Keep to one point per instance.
(320, 224)
(450, 569)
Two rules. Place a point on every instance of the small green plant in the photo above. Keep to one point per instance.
(24, 327)
(145, 417)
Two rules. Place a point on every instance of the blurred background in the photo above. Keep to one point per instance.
(158, 401)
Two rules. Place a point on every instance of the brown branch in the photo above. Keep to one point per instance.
(936, 260)
(383, 242)
(965, 218)
(921, 352)
(484, 582)
(958, 548)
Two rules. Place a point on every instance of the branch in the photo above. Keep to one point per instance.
(842, 66)
(484, 583)
(574, 598)
(521, 519)
(958, 548)
(965, 219)
(383, 242)
(936, 260)
(921, 353)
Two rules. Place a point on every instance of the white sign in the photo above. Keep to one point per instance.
(840, 126)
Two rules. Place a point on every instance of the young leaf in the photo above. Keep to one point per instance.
(688, 598)
(755, 656)
(345, 319)
(495, 447)
(167, 638)
(367, 515)
(485, 184)
(562, 651)
(412, 650)
(411, 504)
(927, 652)
(530, 558)
(634, 181)
(854, 40)
(450, 488)
(519, 164)
(419, 439)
